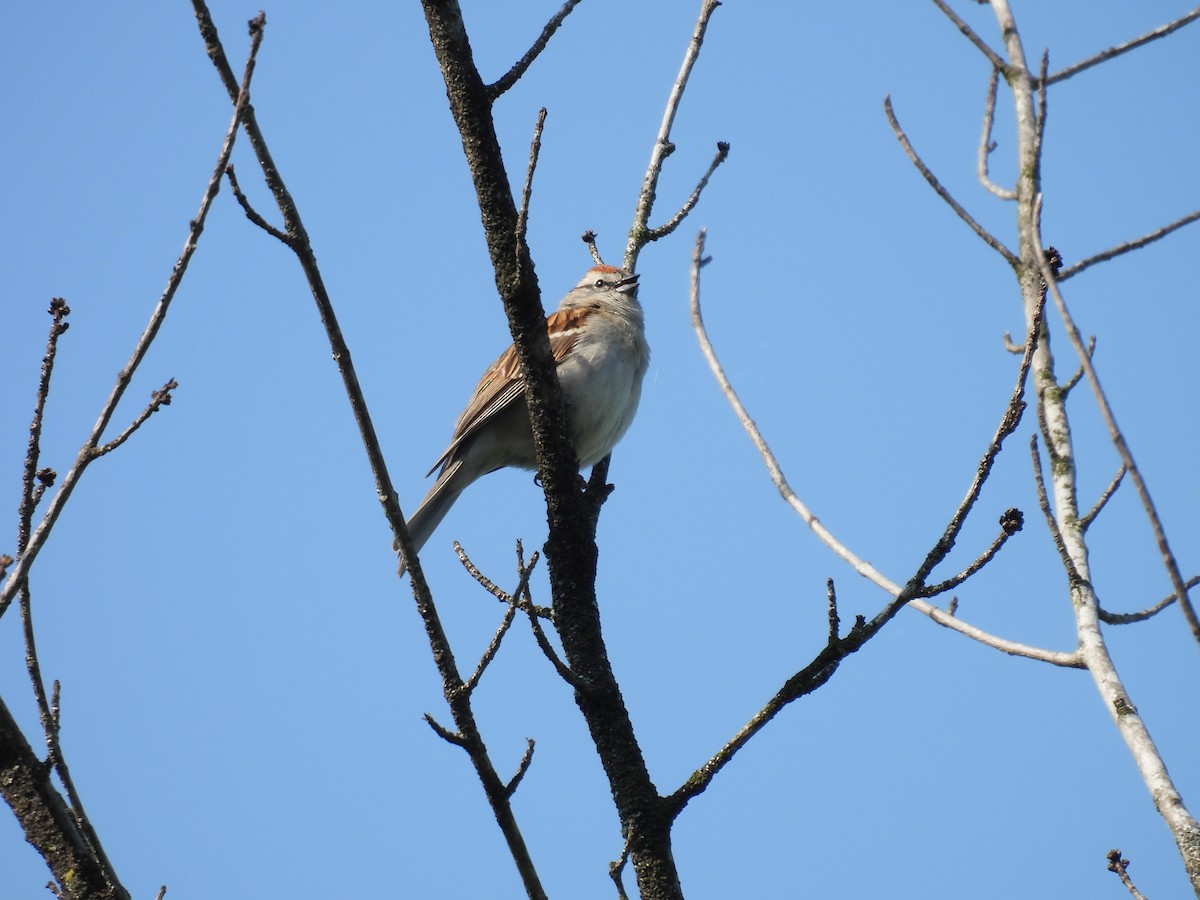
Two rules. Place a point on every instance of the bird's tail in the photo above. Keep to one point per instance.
(422, 524)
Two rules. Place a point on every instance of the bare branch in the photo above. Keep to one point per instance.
(33, 484)
(251, 213)
(663, 230)
(1010, 523)
(987, 145)
(1043, 107)
(27, 788)
(993, 57)
(1121, 868)
(1160, 32)
(522, 768)
(615, 870)
(1118, 439)
(859, 565)
(535, 149)
(38, 538)
(589, 238)
(640, 229)
(1136, 244)
(493, 648)
(1069, 384)
(509, 78)
(835, 623)
(445, 733)
(1048, 513)
(987, 237)
(158, 399)
(498, 592)
(457, 699)
(1143, 615)
(1086, 521)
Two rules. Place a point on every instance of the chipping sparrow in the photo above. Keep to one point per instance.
(598, 340)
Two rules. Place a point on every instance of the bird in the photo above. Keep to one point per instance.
(598, 342)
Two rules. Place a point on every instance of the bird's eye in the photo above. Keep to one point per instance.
(599, 283)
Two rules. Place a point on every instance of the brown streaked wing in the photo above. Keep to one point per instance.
(501, 385)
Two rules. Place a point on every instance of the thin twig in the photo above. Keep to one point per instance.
(993, 57)
(589, 238)
(445, 733)
(1068, 659)
(663, 230)
(1142, 615)
(1135, 244)
(987, 146)
(495, 590)
(158, 399)
(492, 649)
(522, 768)
(19, 579)
(640, 229)
(1048, 513)
(1121, 868)
(987, 237)
(859, 565)
(30, 495)
(38, 538)
(535, 149)
(1011, 521)
(615, 870)
(565, 672)
(835, 623)
(443, 656)
(1086, 521)
(1069, 384)
(509, 614)
(509, 78)
(1043, 106)
(1118, 439)
(1010, 524)
(1160, 32)
(251, 213)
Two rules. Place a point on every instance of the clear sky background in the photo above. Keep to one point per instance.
(243, 676)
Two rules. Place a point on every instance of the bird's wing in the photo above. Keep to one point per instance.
(501, 385)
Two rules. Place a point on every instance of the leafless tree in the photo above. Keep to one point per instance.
(568, 632)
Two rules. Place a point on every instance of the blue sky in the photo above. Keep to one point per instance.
(243, 677)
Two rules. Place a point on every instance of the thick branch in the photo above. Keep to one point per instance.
(48, 822)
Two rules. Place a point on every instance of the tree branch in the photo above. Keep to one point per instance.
(458, 699)
(1105, 55)
(506, 81)
(38, 538)
(1118, 439)
(639, 231)
(859, 565)
(986, 236)
(1143, 615)
(987, 145)
(993, 57)
(1136, 244)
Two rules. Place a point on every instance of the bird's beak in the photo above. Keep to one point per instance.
(628, 285)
